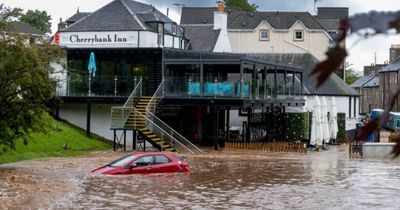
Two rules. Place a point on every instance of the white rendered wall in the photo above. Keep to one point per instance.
(148, 39)
(100, 119)
(168, 41)
(280, 41)
(342, 105)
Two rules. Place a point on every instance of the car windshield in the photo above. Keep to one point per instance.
(122, 161)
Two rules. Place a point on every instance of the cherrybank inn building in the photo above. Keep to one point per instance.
(133, 76)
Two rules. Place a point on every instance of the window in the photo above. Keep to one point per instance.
(298, 35)
(160, 159)
(32, 40)
(160, 34)
(144, 161)
(122, 161)
(264, 35)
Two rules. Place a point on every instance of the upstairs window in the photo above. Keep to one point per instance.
(264, 35)
(298, 35)
(160, 37)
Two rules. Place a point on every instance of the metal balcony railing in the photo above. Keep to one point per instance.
(119, 115)
(164, 131)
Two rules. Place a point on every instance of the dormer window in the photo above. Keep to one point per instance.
(264, 35)
(298, 35)
(173, 29)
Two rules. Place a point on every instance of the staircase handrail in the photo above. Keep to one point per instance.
(131, 98)
(162, 130)
(148, 112)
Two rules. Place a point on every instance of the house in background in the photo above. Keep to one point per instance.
(262, 32)
(368, 88)
(293, 38)
(33, 35)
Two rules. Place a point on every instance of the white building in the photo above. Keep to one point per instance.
(294, 38)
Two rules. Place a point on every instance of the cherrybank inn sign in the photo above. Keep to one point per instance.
(99, 39)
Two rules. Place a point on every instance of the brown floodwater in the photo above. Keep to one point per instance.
(219, 180)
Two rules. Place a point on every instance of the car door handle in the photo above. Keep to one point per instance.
(149, 168)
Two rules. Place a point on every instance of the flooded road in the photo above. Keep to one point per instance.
(219, 180)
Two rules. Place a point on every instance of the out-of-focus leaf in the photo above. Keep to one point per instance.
(380, 22)
(367, 129)
(396, 149)
(343, 29)
(335, 57)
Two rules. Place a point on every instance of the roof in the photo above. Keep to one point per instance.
(175, 55)
(374, 82)
(333, 12)
(26, 28)
(248, 20)
(329, 24)
(362, 81)
(77, 17)
(119, 15)
(393, 66)
(333, 86)
(203, 38)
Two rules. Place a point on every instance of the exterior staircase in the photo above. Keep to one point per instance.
(138, 121)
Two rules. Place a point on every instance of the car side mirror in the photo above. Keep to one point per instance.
(131, 166)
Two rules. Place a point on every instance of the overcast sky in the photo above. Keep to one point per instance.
(360, 54)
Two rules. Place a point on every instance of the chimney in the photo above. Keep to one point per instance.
(61, 25)
(220, 18)
(221, 7)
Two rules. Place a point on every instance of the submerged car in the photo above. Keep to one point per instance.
(145, 162)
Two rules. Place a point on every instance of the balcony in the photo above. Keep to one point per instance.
(186, 87)
(79, 85)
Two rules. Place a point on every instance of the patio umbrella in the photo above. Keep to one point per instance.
(324, 121)
(92, 65)
(316, 128)
(333, 126)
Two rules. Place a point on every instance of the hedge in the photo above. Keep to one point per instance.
(341, 120)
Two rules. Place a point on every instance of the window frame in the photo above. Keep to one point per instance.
(295, 37)
(156, 163)
(147, 156)
(260, 37)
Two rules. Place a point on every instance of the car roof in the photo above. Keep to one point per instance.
(151, 153)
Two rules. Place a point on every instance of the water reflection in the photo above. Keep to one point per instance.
(319, 180)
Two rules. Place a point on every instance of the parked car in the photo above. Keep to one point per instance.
(145, 162)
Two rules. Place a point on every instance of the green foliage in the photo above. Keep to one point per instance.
(24, 83)
(350, 74)
(243, 5)
(52, 144)
(297, 125)
(39, 19)
(296, 128)
(341, 120)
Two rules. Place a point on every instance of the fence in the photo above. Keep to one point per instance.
(270, 146)
(355, 148)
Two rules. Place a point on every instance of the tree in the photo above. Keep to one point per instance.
(39, 19)
(350, 74)
(24, 83)
(243, 5)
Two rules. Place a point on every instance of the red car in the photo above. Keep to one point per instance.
(145, 162)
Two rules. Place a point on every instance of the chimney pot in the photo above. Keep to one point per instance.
(221, 7)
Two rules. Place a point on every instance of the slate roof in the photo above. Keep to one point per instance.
(362, 81)
(77, 16)
(204, 37)
(333, 12)
(393, 66)
(374, 82)
(248, 20)
(329, 24)
(26, 28)
(119, 15)
(333, 86)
